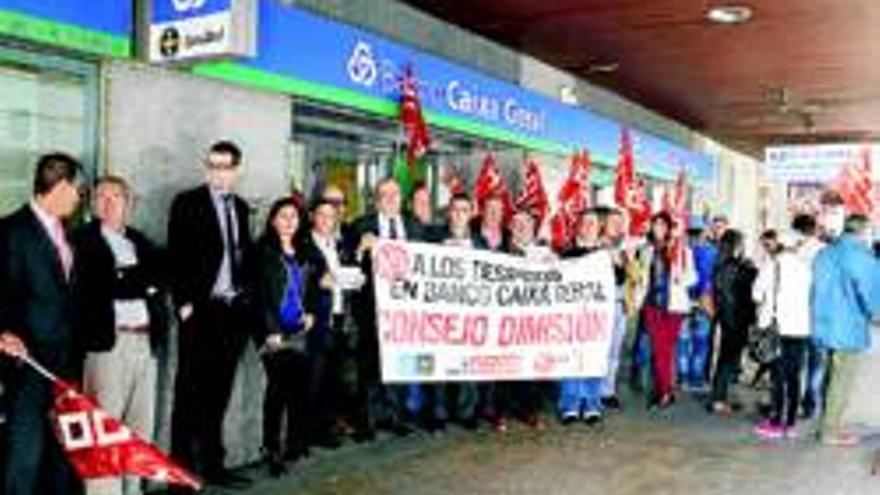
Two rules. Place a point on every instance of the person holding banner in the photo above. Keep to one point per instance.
(523, 399)
(122, 317)
(37, 320)
(491, 236)
(667, 275)
(379, 404)
(581, 398)
(613, 231)
(457, 233)
(288, 294)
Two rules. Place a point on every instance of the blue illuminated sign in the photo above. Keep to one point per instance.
(304, 46)
(108, 16)
(178, 10)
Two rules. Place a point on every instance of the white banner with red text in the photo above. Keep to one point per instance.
(454, 314)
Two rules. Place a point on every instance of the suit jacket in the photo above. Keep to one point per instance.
(195, 245)
(98, 282)
(365, 299)
(322, 301)
(36, 299)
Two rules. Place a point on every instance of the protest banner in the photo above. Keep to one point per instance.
(447, 313)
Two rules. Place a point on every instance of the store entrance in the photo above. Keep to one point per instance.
(354, 151)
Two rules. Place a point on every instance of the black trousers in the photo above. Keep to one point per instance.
(211, 343)
(785, 373)
(324, 387)
(287, 379)
(35, 460)
(733, 342)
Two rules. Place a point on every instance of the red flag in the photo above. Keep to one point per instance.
(533, 197)
(98, 445)
(452, 180)
(411, 117)
(625, 174)
(490, 183)
(679, 213)
(573, 201)
(639, 209)
(856, 185)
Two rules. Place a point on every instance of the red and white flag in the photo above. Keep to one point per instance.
(490, 183)
(533, 197)
(572, 201)
(624, 179)
(413, 121)
(677, 208)
(856, 185)
(100, 446)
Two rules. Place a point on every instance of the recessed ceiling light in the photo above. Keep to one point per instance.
(729, 14)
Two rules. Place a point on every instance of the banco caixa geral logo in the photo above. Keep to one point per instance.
(362, 65)
(187, 5)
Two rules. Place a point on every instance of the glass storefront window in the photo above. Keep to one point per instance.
(355, 151)
(48, 104)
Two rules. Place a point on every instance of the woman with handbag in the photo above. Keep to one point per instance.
(782, 293)
(735, 312)
(287, 283)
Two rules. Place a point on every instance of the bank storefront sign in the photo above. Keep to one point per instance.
(315, 57)
(197, 29)
(818, 163)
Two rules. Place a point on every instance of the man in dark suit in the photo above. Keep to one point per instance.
(208, 243)
(382, 404)
(36, 318)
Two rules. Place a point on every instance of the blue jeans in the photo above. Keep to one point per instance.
(580, 395)
(693, 349)
(814, 383)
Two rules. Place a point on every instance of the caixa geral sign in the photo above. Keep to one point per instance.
(369, 67)
(189, 30)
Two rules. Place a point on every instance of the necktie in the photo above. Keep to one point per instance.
(64, 252)
(393, 233)
(231, 245)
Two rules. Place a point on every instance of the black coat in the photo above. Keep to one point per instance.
(271, 285)
(195, 245)
(36, 299)
(98, 282)
(732, 289)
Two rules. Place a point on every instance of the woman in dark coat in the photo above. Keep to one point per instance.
(288, 288)
(732, 289)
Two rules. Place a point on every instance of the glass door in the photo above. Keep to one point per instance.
(48, 104)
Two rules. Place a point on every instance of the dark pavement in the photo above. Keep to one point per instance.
(635, 452)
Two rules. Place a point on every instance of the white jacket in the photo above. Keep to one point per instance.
(793, 297)
(679, 300)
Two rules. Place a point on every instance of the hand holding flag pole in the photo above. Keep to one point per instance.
(100, 446)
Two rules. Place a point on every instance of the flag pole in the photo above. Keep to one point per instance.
(39, 368)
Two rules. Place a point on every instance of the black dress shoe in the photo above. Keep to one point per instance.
(364, 435)
(224, 478)
(611, 402)
(275, 462)
(296, 452)
(470, 424)
(327, 441)
(401, 429)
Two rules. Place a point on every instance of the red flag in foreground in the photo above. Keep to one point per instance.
(99, 446)
(533, 197)
(573, 201)
(490, 183)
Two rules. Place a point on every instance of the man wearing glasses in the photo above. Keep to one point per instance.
(208, 239)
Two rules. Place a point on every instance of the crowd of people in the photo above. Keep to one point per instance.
(91, 304)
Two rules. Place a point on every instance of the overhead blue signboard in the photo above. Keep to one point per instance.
(108, 16)
(298, 44)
